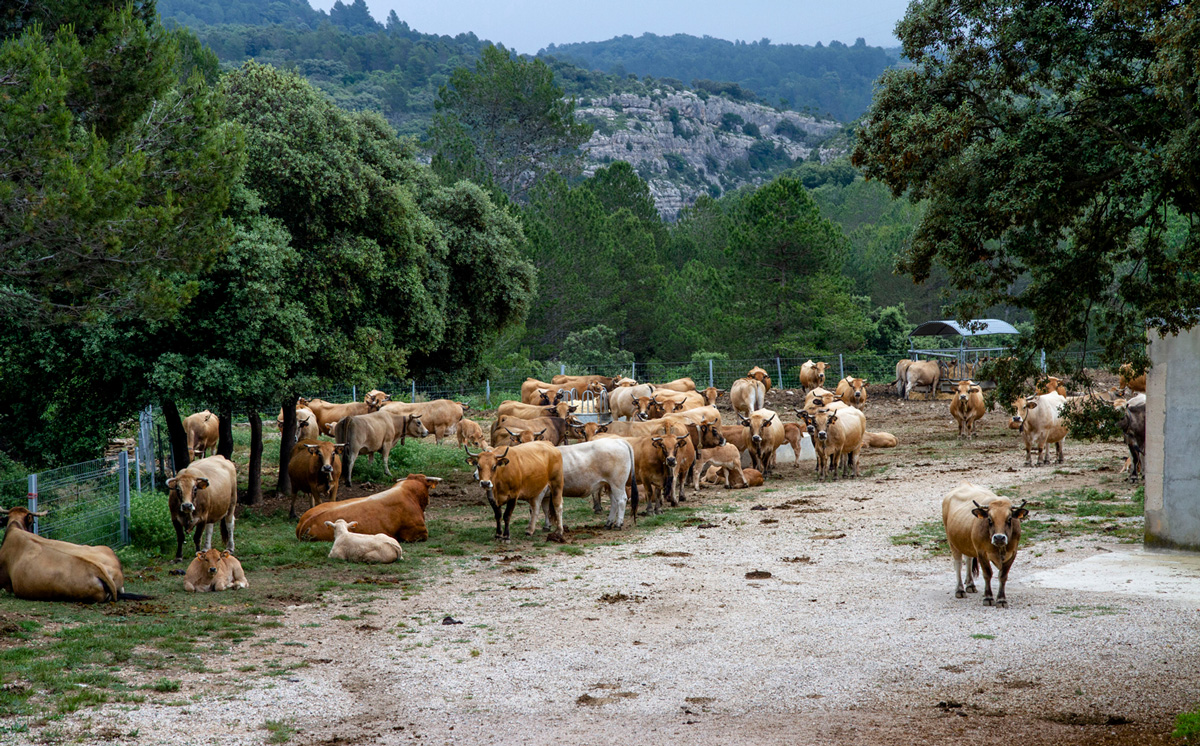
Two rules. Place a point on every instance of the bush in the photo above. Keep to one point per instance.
(150, 526)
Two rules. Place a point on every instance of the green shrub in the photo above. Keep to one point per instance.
(150, 526)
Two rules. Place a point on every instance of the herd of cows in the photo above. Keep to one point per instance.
(661, 438)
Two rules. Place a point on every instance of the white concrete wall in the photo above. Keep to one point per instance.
(1173, 441)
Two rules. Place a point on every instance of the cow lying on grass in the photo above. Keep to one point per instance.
(40, 569)
(375, 548)
(214, 570)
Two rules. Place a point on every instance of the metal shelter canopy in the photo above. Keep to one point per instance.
(953, 328)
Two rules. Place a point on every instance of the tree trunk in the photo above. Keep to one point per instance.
(287, 439)
(176, 435)
(254, 471)
(225, 433)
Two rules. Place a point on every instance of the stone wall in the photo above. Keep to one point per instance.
(1173, 442)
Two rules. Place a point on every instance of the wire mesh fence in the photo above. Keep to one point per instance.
(86, 503)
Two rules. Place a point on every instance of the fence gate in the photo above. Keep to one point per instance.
(87, 503)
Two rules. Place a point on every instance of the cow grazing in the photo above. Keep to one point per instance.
(765, 434)
(202, 430)
(879, 440)
(587, 467)
(838, 439)
(1040, 422)
(747, 395)
(901, 382)
(377, 432)
(922, 373)
(532, 472)
(1130, 381)
(398, 511)
(1133, 426)
(35, 568)
(470, 433)
(315, 469)
(727, 459)
(967, 407)
(986, 529)
(440, 417)
(556, 429)
(852, 391)
(812, 375)
(379, 549)
(204, 494)
(679, 384)
(214, 570)
(758, 374)
(328, 414)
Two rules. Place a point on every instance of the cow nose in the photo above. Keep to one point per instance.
(671, 461)
(485, 483)
(212, 571)
(188, 507)
(821, 435)
(327, 468)
(757, 438)
(723, 441)
(999, 539)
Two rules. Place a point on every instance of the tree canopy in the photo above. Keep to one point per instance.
(1057, 148)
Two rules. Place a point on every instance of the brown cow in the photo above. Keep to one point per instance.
(793, 435)
(967, 407)
(202, 429)
(1130, 381)
(580, 384)
(315, 469)
(328, 414)
(517, 437)
(470, 433)
(922, 373)
(376, 432)
(747, 395)
(39, 569)
(812, 375)
(852, 391)
(306, 424)
(655, 458)
(556, 427)
(375, 399)
(758, 374)
(879, 440)
(679, 384)
(533, 411)
(1052, 383)
(727, 459)
(440, 416)
(534, 391)
(398, 511)
(711, 394)
(214, 570)
(986, 529)
(766, 434)
(901, 382)
(838, 439)
(530, 472)
(204, 494)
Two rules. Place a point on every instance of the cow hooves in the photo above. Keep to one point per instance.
(987, 601)
(1002, 603)
(971, 589)
(557, 538)
(960, 594)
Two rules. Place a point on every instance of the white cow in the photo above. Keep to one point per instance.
(378, 548)
(589, 466)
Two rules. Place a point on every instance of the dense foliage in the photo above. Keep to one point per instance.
(1056, 146)
(832, 80)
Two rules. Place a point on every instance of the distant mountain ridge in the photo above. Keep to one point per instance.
(834, 81)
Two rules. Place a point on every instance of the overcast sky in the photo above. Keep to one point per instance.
(530, 25)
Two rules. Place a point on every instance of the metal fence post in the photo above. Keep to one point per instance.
(137, 468)
(353, 392)
(489, 393)
(33, 495)
(779, 370)
(633, 370)
(841, 367)
(562, 369)
(1043, 361)
(123, 467)
(710, 375)
(414, 391)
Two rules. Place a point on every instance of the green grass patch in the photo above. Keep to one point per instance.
(1187, 726)
(279, 731)
(929, 535)
(982, 636)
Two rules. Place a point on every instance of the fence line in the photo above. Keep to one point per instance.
(87, 503)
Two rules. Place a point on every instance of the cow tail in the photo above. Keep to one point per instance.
(974, 567)
(133, 597)
(112, 592)
(633, 491)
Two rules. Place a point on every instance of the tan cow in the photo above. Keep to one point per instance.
(1039, 419)
(901, 382)
(655, 459)
(1052, 383)
(726, 459)
(986, 529)
(812, 375)
(604, 464)
(879, 440)
(758, 374)
(533, 411)
(306, 424)
(922, 373)
(819, 398)
(580, 384)
(534, 391)
(379, 549)
(328, 414)
(556, 429)
(39, 569)
(202, 495)
(214, 570)
(683, 385)
(376, 432)
(793, 435)
(838, 436)
(765, 433)
(532, 472)
(398, 511)
(375, 399)
(967, 407)
(315, 468)
(517, 437)
(1130, 381)
(852, 391)
(440, 416)
(470, 433)
(711, 394)
(202, 430)
(747, 395)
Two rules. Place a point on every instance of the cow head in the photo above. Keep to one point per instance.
(413, 427)
(563, 409)
(301, 401)
(669, 445)
(487, 464)
(518, 437)
(625, 383)
(757, 424)
(19, 518)
(375, 400)
(591, 430)
(645, 407)
(859, 387)
(326, 459)
(306, 427)
(963, 390)
(1052, 385)
(1003, 521)
(543, 397)
(210, 561)
(711, 395)
(822, 422)
(341, 523)
(189, 489)
(1021, 409)
(820, 367)
(710, 435)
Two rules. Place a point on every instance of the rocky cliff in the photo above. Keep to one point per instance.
(685, 145)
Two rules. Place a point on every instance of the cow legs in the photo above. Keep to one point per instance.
(616, 505)
(496, 511)
(439, 433)
(1001, 601)
(1058, 450)
(958, 588)
(986, 566)
(227, 531)
(535, 507)
(508, 511)
(598, 499)
(179, 540)
(386, 468)
(351, 457)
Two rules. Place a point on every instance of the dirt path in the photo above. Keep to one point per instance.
(850, 639)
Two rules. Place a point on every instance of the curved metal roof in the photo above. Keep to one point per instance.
(954, 329)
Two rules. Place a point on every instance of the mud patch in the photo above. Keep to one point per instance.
(758, 575)
(616, 598)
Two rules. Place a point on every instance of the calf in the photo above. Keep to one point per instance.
(470, 433)
(727, 459)
(967, 407)
(315, 469)
(852, 391)
(793, 435)
(202, 430)
(376, 549)
(812, 375)
(986, 529)
(879, 440)
(530, 472)
(214, 570)
(203, 494)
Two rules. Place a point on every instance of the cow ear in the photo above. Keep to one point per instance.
(339, 448)
(313, 448)
(203, 482)
(171, 483)
(329, 523)
(1021, 513)
(225, 554)
(1031, 403)
(502, 461)
(979, 511)
(199, 555)
(602, 429)
(351, 524)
